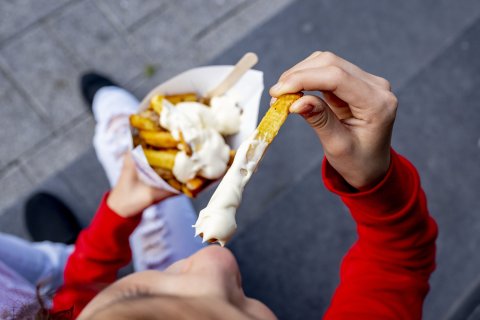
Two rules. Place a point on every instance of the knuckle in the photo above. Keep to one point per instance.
(329, 57)
(391, 100)
(384, 83)
(316, 54)
(336, 74)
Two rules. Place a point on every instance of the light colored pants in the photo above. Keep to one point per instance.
(38, 263)
(165, 234)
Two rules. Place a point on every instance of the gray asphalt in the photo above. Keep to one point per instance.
(292, 232)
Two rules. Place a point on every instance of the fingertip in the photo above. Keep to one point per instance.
(275, 91)
(301, 107)
(272, 101)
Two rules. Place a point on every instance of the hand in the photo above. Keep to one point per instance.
(130, 196)
(353, 121)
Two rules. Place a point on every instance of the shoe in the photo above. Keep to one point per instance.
(49, 219)
(91, 82)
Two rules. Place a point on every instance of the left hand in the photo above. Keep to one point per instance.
(130, 196)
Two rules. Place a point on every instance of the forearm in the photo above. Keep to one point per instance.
(100, 251)
(390, 264)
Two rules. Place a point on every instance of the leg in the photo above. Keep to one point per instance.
(39, 263)
(165, 234)
(111, 108)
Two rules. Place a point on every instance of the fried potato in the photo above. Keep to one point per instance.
(184, 97)
(156, 103)
(144, 123)
(165, 174)
(184, 146)
(160, 139)
(164, 159)
(275, 117)
(175, 184)
(232, 157)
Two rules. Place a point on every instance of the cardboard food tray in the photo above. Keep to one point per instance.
(247, 92)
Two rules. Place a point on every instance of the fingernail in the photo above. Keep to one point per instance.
(272, 101)
(277, 87)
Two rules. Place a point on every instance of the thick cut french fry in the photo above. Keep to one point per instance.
(165, 174)
(164, 159)
(184, 146)
(160, 139)
(183, 97)
(195, 183)
(232, 157)
(156, 103)
(275, 117)
(175, 184)
(144, 123)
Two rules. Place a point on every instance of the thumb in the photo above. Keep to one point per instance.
(319, 116)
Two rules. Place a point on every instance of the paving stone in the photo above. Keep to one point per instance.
(15, 184)
(18, 14)
(438, 129)
(21, 127)
(87, 178)
(46, 73)
(290, 256)
(217, 40)
(84, 30)
(12, 219)
(164, 36)
(393, 40)
(59, 151)
(126, 13)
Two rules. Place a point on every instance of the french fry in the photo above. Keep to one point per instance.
(195, 183)
(175, 184)
(232, 157)
(165, 174)
(164, 159)
(161, 139)
(275, 117)
(156, 103)
(183, 97)
(144, 123)
(184, 146)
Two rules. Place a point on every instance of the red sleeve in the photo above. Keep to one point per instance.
(385, 274)
(100, 251)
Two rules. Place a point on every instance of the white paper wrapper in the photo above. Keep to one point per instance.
(247, 91)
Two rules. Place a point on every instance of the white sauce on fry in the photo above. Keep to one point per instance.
(202, 128)
(217, 222)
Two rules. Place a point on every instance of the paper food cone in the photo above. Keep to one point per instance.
(247, 91)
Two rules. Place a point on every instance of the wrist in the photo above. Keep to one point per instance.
(363, 175)
(121, 204)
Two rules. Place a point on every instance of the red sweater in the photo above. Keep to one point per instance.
(383, 276)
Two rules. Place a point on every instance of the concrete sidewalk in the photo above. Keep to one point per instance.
(292, 232)
(45, 45)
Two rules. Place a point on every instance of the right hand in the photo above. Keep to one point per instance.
(353, 121)
(130, 196)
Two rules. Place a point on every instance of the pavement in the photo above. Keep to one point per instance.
(292, 232)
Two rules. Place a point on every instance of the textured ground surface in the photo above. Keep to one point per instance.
(293, 233)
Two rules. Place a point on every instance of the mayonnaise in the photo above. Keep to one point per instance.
(202, 128)
(217, 221)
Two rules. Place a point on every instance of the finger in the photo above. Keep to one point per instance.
(321, 118)
(338, 106)
(324, 59)
(361, 96)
